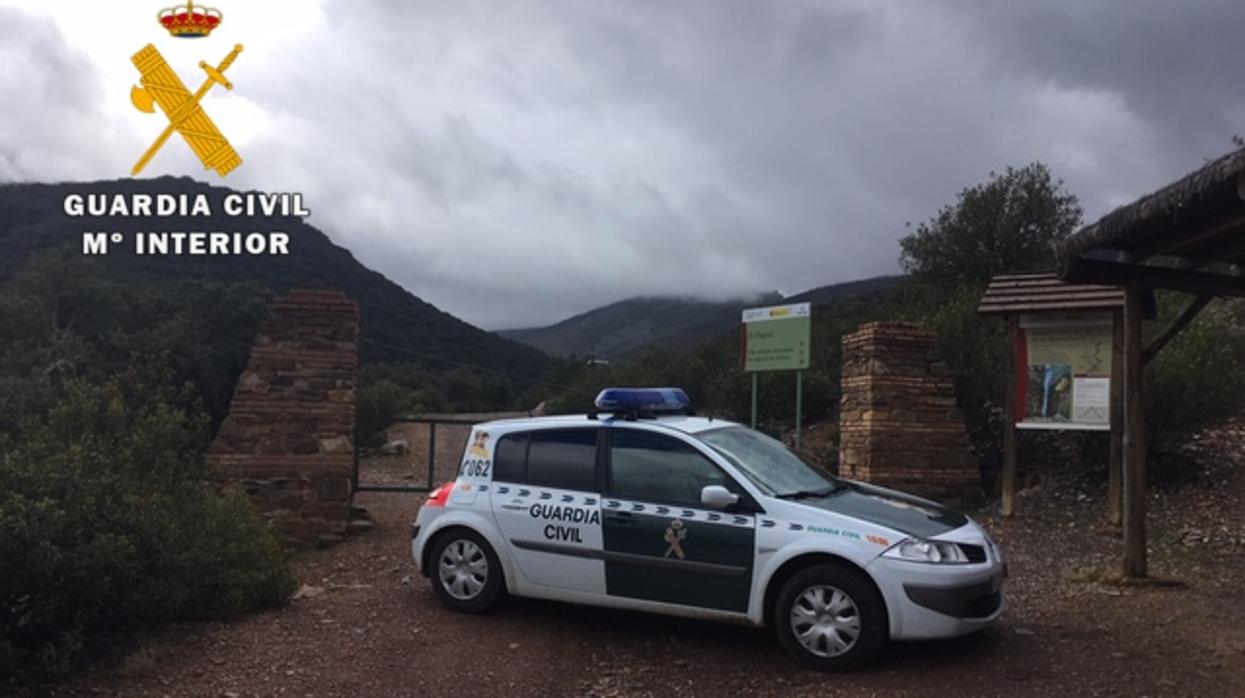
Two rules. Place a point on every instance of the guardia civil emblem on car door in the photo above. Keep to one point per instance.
(675, 533)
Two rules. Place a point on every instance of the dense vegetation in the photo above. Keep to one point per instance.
(61, 318)
(109, 520)
(1200, 375)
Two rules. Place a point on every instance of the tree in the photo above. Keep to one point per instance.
(1007, 224)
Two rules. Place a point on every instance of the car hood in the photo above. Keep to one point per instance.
(904, 513)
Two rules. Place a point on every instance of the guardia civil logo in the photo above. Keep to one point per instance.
(161, 87)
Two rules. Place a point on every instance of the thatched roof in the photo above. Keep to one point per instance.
(1166, 217)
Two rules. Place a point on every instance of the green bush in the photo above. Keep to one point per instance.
(109, 523)
(378, 405)
(1199, 376)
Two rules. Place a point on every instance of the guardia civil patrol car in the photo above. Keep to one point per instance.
(643, 505)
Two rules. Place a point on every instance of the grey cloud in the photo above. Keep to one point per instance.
(1175, 63)
(51, 93)
(515, 163)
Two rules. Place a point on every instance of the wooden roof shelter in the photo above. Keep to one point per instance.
(1188, 236)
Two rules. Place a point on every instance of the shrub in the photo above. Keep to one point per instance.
(108, 523)
(1199, 375)
(379, 404)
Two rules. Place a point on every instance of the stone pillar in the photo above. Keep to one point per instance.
(288, 439)
(898, 421)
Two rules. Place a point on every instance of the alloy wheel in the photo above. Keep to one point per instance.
(825, 620)
(463, 569)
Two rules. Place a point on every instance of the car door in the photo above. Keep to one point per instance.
(661, 543)
(547, 507)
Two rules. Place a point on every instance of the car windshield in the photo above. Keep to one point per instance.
(770, 465)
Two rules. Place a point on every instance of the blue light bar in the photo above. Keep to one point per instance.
(643, 400)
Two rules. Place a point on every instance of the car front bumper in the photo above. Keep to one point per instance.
(926, 601)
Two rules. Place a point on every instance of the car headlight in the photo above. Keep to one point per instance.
(933, 551)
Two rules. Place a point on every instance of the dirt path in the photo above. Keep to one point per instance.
(369, 625)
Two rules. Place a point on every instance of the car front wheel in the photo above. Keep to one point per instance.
(830, 617)
(467, 575)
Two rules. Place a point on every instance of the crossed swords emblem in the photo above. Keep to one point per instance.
(161, 87)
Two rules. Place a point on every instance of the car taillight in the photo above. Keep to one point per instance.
(440, 495)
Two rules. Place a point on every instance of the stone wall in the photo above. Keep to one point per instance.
(898, 421)
(288, 437)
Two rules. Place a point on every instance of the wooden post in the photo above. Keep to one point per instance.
(1115, 462)
(1008, 506)
(1134, 439)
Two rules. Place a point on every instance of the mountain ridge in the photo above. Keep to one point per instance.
(616, 330)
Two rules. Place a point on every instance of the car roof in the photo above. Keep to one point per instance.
(684, 423)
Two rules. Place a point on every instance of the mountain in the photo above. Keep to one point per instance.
(846, 289)
(616, 330)
(620, 328)
(396, 326)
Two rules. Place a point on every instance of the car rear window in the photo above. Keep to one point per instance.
(510, 458)
(563, 458)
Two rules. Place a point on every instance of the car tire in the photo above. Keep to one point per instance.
(466, 574)
(830, 617)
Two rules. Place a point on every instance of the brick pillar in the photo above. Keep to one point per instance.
(288, 438)
(898, 421)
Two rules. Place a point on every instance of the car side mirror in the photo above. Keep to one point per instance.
(717, 497)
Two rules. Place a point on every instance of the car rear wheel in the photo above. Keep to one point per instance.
(466, 575)
(830, 617)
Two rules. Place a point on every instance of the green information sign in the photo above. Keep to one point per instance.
(776, 338)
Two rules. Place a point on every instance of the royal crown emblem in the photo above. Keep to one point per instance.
(190, 21)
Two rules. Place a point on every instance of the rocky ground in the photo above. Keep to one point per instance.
(366, 623)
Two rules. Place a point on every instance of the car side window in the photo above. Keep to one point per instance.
(563, 458)
(510, 458)
(657, 468)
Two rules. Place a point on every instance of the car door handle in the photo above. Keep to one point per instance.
(516, 505)
(620, 517)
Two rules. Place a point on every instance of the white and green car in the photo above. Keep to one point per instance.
(642, 505)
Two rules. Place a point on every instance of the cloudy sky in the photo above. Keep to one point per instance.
(515, 162)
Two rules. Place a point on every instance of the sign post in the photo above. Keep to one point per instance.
(754, 401)
(799, 404)
(777, 338)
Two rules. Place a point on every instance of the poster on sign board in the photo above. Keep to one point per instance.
(1063, 378)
